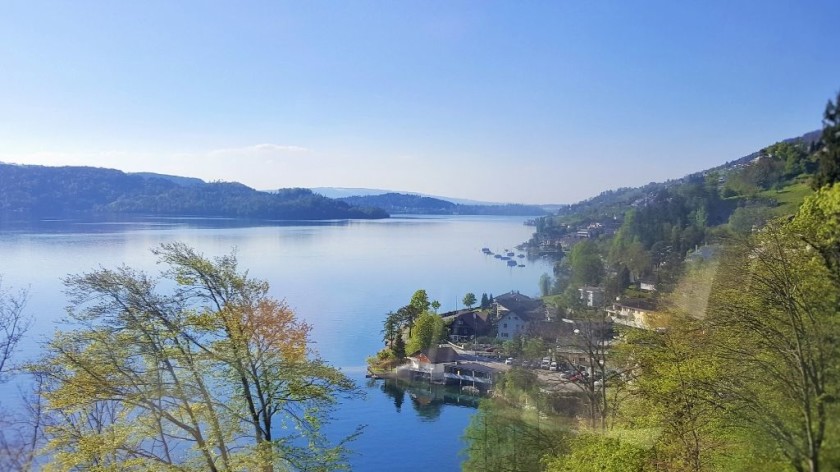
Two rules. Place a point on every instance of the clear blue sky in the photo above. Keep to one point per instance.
(534, 102)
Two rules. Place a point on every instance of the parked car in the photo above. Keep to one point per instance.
(509, 361)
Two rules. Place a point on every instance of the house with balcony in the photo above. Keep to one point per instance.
(636, 313)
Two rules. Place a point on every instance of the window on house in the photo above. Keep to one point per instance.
(504, 325)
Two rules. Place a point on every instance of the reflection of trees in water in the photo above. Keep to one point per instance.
(427, 406)
(393, 390)
(427, 400)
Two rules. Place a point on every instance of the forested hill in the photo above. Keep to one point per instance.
(400, 203)
(642, 231)
(43, 192)
(788, 158)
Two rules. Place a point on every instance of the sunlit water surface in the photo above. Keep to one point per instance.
(341, 277)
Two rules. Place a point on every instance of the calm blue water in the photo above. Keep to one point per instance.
(341, 277)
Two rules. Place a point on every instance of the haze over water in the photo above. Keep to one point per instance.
(341, 277)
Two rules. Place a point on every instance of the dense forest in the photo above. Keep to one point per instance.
(728, 360)
(399, 203)
(46, 192)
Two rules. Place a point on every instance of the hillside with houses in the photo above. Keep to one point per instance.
(702, 308)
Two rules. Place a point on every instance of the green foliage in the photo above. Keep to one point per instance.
(420, 301)
(545, 285)
(745, 219)
(210, 369)
(428, 331)
(391, 327)
(504, 439)
(533, 348)
(829, 156)
(398, 347)
(597, 453)
(780, 316)
(469, 300)
(585, 263)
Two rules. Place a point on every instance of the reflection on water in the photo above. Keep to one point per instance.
(427, 399)
(120, 224)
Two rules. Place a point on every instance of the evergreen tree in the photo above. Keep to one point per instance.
(829, 157)
(485, 302)
(398, 348)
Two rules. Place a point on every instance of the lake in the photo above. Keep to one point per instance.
(342, 277)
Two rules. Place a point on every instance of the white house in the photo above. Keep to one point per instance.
(511, 324)
(430, 364)
(592, 296)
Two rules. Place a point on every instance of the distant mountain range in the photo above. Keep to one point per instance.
(28, 192)
(343, 192)
(400, 203)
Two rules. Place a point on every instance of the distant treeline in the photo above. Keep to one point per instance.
(39, 192)
(415, 204)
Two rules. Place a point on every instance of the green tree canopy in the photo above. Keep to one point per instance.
(469, 300)
(586, 264)
(828, 171)
(193, 370)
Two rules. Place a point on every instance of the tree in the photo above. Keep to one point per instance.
(775, 323)
(672, 370)
(469, 300)
(545, 285)
(13, 325)
(590, 339)
(533, 348)
(420, 301)
(391, 327)
(504, 439)
(435, 305)
(828, 171)
(19, 437)
(407, 315)
(200, 378)
(398, 347)
(428, 331)
(485, 301)
(596, 453)
(585, 264)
